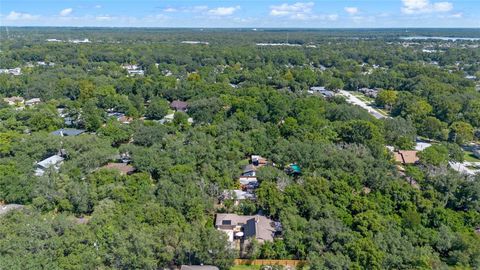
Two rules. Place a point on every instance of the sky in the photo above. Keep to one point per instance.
(242, 13)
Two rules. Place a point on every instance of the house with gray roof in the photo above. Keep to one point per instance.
(52, 162)
(322, 91)
(239, 227)
(68, 132)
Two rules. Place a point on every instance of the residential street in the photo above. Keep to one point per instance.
(356, 101)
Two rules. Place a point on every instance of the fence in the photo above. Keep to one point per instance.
(270, 262)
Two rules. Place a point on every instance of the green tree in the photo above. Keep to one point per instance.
(157, 109)
(386, 98)
(435, 155)
(461, 132)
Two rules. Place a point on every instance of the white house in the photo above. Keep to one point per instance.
(54, 161)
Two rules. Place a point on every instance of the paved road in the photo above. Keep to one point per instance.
(462, 167)
(356, 101)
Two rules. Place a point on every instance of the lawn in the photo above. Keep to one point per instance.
(470, 157)
(245, 267)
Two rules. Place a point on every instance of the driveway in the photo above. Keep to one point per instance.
(462, 167)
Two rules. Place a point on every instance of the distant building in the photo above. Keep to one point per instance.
(77, 41)
(52, 162)
(45, 64)
(369, 92)
(14, 101)
(194, 42)
(178, 105)
(248, 182)
(68, 132)
(12, 71)
(239, 227)
(321, 90)
(167, 118)
(258, 161)
(249, 170)
(33, 102)
(133, 70)
(237, 196)
(121, 117)
(136, 72)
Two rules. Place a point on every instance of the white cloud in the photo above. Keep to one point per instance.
(351, 10)
(66, 12)
(424, 6)
(457, 15)
(170, 9)
(299, 10)
(197, 9)
(98, 6)
(332, 17)
(363, 19)
(288, 10)
(19, 16)
(223, 11)
(104, 18)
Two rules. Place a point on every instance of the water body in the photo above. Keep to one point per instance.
(441, 38)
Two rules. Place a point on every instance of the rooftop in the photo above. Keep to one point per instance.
(179, 105)
(258, 226)
(68, 132)
(53, 160)
(238, 194)
(406, 156)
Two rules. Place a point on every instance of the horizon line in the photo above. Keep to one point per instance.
(250, 27)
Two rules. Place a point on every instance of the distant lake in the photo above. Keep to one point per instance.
(440, 38)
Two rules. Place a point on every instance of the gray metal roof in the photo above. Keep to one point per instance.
(53, 160)
(68, 132)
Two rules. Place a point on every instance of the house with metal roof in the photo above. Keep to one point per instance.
(52, 162)
(67, 132)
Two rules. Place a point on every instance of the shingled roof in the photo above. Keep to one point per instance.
(406, 156)
(179, 105)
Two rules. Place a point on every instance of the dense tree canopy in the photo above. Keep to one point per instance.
(350, 208)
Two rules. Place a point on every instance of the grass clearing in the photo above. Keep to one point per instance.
(245, 267)
(470, 157)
